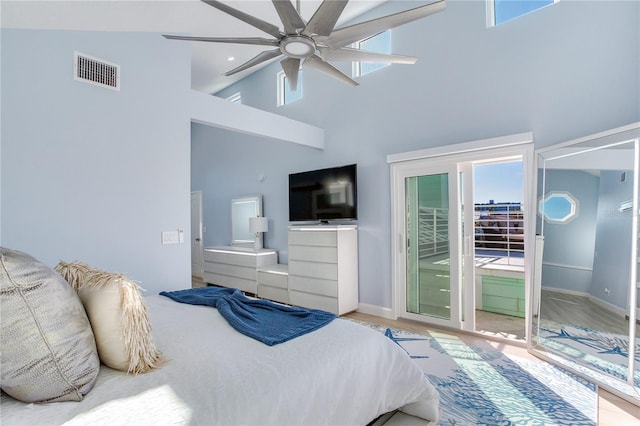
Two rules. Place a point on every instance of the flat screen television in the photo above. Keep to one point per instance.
(324, 195)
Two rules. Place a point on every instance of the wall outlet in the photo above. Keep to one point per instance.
(607, 291)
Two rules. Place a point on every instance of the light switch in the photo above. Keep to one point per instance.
(170, 237)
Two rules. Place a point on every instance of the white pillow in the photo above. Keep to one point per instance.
(118, 315)
(48, 351)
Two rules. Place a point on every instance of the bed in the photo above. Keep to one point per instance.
(341, 374)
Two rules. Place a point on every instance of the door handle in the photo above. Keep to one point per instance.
(197, 239)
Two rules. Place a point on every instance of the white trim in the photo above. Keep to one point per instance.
(375, 310)
(418, 163)
(602, 303)
(491, 13)
(605, 134)
(236, 98)
(566, 265)
(608, 306)
(465, 147)
(280, 88)
(565, 291)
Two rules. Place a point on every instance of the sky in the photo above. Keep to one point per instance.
(501, 182)
(509, 9)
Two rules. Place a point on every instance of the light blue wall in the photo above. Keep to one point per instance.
(92, 174)
(613, 240)
(563, 72)
(569, 247)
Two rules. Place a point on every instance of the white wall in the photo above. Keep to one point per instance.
(92, 174)
(562, 72)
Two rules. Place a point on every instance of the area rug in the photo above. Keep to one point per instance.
(605, 352)
(479, 385)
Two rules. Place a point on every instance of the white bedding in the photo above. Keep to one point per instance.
(341, 374)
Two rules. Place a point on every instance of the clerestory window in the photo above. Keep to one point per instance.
(379, 43)
(285, 94)
(499, 11)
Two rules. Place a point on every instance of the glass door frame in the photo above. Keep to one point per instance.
(438, 168)
(424, 162)
(618, 136)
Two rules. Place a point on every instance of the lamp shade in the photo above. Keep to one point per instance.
(258, 224)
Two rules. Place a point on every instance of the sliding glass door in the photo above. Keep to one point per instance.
(441, 254)
(429, 266)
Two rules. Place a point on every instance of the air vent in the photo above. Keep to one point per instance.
(96, 71)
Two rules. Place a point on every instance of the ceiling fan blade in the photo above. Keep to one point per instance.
(318, 64)
(237, 40)
(258, 59)
(289, 16)
(251, 20)
(347, 35)
(357, 55)
(325, 18)
(291, 67)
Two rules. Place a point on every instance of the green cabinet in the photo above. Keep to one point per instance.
(503, 295)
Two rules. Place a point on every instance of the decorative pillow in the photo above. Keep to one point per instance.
(48, 350)
(118, 315)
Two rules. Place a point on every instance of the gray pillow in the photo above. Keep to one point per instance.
(48, 350)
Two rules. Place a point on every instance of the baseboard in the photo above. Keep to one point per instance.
(608, 306)
(377, 311)
(562, 290)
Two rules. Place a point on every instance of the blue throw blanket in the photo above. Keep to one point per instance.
(262, 320)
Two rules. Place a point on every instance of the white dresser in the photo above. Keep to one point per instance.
(236, 267)
(273, 283)
(323, 267)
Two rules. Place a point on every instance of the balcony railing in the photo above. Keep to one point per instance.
(498, 228)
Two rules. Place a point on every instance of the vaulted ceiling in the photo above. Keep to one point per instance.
(186, 17)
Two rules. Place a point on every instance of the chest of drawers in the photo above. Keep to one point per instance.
(323, 267)
(236, 267)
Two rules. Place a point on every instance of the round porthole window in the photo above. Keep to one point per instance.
(558, 207)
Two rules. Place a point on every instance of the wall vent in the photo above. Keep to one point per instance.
(96, 71)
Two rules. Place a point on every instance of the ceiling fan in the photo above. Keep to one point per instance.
(313, 44)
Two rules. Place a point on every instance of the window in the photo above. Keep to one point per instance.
(558, 207)
(236, 98)
(499, 11)
(379, 43)
(285, 94)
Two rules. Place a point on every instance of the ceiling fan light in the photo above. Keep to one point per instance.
(297, 47)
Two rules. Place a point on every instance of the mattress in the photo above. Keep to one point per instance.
(341, 374)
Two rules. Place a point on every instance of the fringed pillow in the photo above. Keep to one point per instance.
(47, 348)
(118, 315)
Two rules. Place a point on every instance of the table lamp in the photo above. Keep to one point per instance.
(258, 225)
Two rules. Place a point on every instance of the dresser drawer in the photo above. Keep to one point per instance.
(313, 238)
(245, 272)
(230, 258)
(313, 301)
(314, 285)
(248, 286)
(273, 279)
(273, 293)
(314, 253)
(325, 271)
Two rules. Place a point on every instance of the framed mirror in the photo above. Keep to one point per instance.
(586, 284)
(242, 209)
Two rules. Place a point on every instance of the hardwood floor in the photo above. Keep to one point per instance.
(612, 410)
(579, 310)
